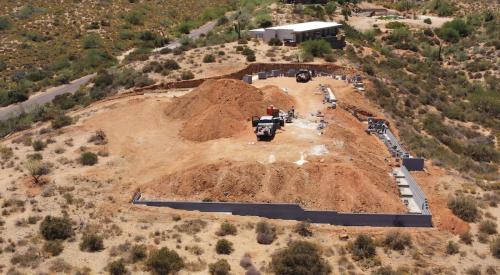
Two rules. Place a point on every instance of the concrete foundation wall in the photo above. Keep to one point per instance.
(295, 212)
(249, 70)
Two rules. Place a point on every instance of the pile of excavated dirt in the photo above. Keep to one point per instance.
(222, 108)
(313, 185)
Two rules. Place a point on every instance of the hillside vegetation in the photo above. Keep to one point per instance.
(442, 86)
(45, 43)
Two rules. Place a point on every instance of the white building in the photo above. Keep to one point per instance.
(296, 33)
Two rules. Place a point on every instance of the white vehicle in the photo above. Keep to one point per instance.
(266, 126)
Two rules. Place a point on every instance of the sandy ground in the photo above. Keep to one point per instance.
(139, 154)
(149, 154)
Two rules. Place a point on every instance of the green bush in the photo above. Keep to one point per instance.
(427, 21)
(61, 120)
(363, 247)
(251, 58)
(299, 257)
(396, 25)
(464, 208)
(186, 75)
(266, 233)
(171, 64)
(88, 158)
(209, 58)
(452, 248)
(54, 248)
(226, 228)
(53, 228)
(91, 242)
(117, 267)
(397, 240)
(317, 48)
(495, 247)
(466, 238)
(185, 27)
(4, 23)
(221, 267)
(488, 227)
(134, 18)
(275, 42)
(303, 229)
(224, 246)
(92, 41)
(38, 145)
(138, 253)
(330, 7)
(164, 261)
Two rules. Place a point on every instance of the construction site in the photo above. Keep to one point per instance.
(296, 136)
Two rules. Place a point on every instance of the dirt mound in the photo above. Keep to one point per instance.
(222, 108)
(313, 185)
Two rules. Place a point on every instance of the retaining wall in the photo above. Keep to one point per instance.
(253, 68)
(295, 212)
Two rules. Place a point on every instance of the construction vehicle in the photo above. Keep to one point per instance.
(303, 76)
(266, 126)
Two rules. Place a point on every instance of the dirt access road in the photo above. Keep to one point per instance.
(50, 93)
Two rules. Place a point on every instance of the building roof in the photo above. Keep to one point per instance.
(308, 26)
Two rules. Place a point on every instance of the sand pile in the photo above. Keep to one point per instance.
(222, 108)
(313, 185)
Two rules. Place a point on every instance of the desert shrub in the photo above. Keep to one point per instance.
(363, 247)
(134, 18)
(61, 120)
(54, 247)
(266, 233)
(38, 145)
(316, 48)
(138, 253)
(6, 153)
(224, 246)
(495, 247)
(464, 208)
(117, 267)
(4, 23)
(54, 228)
(330, 7)
(251, 58)
(303, 229)
(427, 21)
(396, 25)
(164, 261)
(191, 226)
(397, 240)
(226, 228)
(88, 158)
(91, 242)
(452, 31)
(171, 64)
(246, 261)
(92, 41)
(299, 257)
(99, 138)
(221, 267)
(30, 258)
(488, 227)
(186, 75)
(452, 248)
(209, 58)
(466, 237)
(185, 27)
(275, 42)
